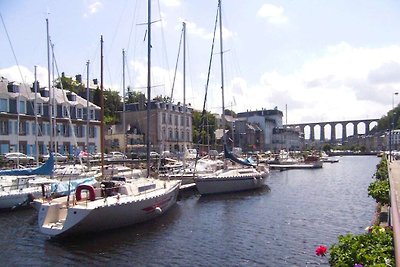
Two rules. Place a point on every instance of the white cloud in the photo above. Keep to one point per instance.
(93, 8)
(274, 14)
(344, 83)
(25, 75)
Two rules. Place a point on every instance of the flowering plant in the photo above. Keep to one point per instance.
(321, 251)
(374, 248)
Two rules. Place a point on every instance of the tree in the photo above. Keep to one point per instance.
(112, 104)
(203, 128)
(134, 97)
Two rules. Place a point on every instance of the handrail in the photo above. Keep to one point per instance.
(394, 214)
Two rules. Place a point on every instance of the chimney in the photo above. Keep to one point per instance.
(78, 78)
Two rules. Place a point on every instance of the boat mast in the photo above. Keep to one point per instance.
(102, 110)
(87, 112)
(184, 88)
(49, 85)
(222, 72)
(36, 119)
(123, 103)
(55, 132)
(148, 84)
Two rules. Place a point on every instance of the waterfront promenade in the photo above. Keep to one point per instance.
(394, 179)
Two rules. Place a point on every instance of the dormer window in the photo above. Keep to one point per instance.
(12, 88)
(71, 97)
(44, 93)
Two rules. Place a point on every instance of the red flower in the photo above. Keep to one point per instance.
(321, 251)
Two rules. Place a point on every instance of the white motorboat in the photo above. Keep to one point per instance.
(232, 180)
(116, 204)
(244, 176)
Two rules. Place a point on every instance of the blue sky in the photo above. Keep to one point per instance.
(325, 60)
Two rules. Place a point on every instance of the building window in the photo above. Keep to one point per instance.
(66, 111)
(91, 114)
(182, 120)
(170, 134)
(91, 132)
(39, 108)
(3, 105)
(176, 120)
(187, 121)
(187, 136)
(170, 119)
(22, 107)
(23, 128)
(79, 113)
(163, 118)
(3, 127)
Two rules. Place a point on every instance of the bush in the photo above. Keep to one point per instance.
(382, 170)
(374, 248)
(379, 190)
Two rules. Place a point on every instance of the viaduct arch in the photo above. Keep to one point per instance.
(332, 124)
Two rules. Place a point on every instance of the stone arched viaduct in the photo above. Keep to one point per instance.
(333, 124)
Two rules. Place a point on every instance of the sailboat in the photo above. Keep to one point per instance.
(239, 177)
(116, 203)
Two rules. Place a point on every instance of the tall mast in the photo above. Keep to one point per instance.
(102, 110)
(148, 84)
(36, 119)
(87, 112)
(184, 64)
(55, 132)
(49, 86)
(222, 71)
(123, 103)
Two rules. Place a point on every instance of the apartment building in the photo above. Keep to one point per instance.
(22, 122)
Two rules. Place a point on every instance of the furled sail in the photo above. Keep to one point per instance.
(46, 169)
(229, 155)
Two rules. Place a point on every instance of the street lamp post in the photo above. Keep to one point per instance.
(391, 128)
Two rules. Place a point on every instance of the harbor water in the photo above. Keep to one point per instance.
(278, 225)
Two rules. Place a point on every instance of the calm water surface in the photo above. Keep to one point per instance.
(279, 225)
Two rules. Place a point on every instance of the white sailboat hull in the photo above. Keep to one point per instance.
(228, 181)
(16, 197)
(55, 219)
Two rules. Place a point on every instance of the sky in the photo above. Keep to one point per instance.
(313, 60)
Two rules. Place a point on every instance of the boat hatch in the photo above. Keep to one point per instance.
(146, 187)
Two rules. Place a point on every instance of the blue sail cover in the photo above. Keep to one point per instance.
(65, 187)
(229, 155)
(46, 169)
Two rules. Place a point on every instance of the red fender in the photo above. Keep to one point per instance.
(92, 194)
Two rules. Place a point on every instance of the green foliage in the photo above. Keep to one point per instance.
(382, 170)
(69, 84)
(201, 133)
(134, 97)
(326, 147)
(379, 190)
(374, 248)
(391, 120)
(112, 104)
